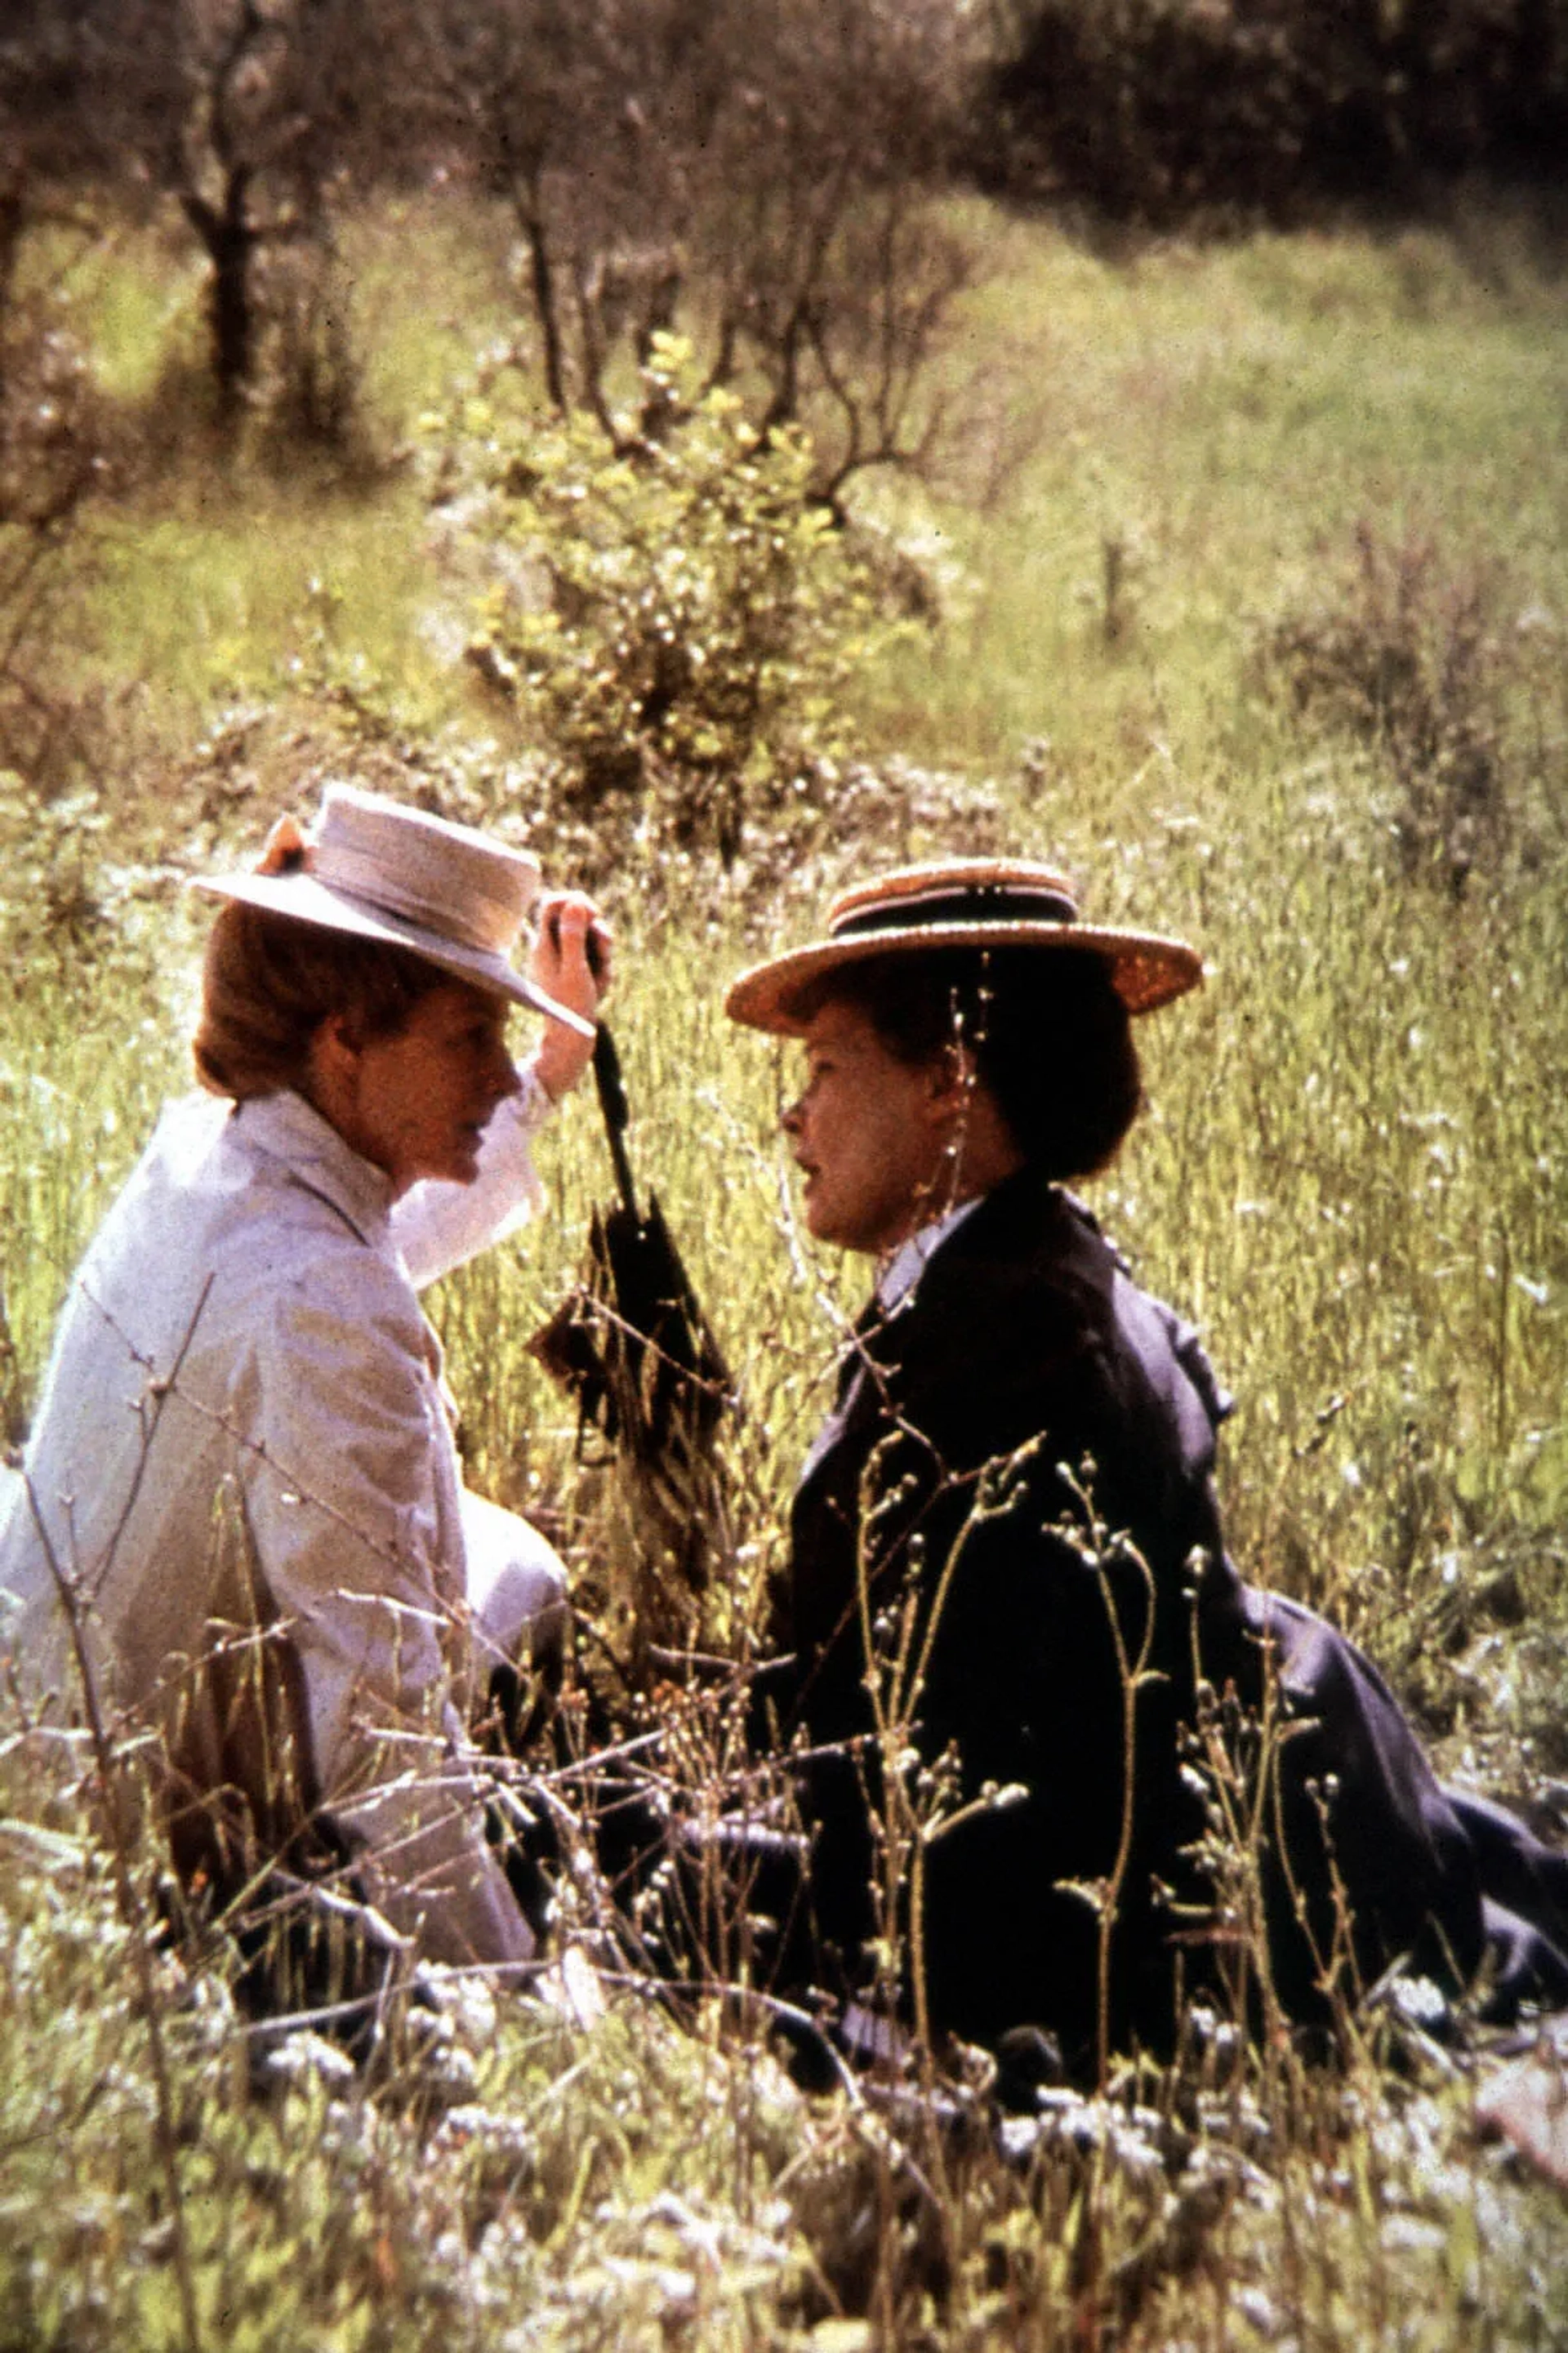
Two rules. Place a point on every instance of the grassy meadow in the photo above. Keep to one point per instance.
(1252, 591)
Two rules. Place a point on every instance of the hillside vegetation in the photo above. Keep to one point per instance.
(1241, 590)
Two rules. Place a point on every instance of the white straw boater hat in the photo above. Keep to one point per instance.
(964, 902)
(383, 871)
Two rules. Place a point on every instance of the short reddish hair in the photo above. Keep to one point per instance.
(269, 981)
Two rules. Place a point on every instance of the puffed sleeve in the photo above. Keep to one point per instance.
(349, 1484)
(437, 1225)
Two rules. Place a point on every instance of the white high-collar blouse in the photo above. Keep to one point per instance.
(244, 1425)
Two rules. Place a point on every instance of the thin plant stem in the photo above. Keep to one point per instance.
(133, 1913)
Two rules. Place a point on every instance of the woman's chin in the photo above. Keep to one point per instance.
(460, 1165)
(823, 1227)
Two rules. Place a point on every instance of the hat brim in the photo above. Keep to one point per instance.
(307, 901)
(1145, 969)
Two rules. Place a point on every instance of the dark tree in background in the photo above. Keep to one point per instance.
(248, 113)
(835, 273)
(772, 182)
(54, 451)
(1156, 110)
(764, 180)
(555, 108)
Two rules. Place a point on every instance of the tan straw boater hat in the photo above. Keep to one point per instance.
(964, 902)
(383, 871)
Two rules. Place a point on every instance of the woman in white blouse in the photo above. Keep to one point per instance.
(241, 1505)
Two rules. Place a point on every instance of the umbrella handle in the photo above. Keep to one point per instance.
(617, 1114)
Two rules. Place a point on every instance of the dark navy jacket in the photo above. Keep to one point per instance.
(1028, 1444)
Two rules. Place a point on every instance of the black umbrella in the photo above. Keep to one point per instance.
(634, 1348)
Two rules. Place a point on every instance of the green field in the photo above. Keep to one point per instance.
(1250, 573)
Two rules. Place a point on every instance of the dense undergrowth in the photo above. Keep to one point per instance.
(1250, 613)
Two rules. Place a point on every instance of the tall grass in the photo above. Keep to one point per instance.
(1353, 1174)
(1223, 421)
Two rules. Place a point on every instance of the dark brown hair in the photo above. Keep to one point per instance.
(1051, 1037)
(268, 983)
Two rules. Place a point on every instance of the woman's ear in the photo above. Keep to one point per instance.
(335, 1045)
(331, 1065)
(950, 1083)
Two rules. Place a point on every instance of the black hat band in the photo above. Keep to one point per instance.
(975, 902)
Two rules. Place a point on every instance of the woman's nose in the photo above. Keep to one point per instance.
(791, 1116)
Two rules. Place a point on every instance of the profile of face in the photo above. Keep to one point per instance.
(417, 1103)
(869, 1134)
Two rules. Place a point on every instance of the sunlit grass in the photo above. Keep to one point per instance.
(81, 1080)
(212, 593)
(432, 281)
(1224, 420)
(129, 290)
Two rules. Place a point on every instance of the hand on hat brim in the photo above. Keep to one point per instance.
(570, 963)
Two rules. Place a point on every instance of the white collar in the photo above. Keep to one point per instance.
(288, 1128)
(903, 1270)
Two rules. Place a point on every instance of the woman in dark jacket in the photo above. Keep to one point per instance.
(1118, 1773)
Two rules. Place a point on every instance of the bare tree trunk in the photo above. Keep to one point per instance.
(528, 199)
(13, 213)
(230, 242)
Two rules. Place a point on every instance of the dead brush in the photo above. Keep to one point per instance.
(1422, 658)
(55, 469)
(109, 1778)
(1233, 1763)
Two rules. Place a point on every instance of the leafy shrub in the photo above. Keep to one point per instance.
(676, 618)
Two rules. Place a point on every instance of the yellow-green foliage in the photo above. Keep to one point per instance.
(673, 615)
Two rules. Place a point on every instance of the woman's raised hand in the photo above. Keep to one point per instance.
(570, 962)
